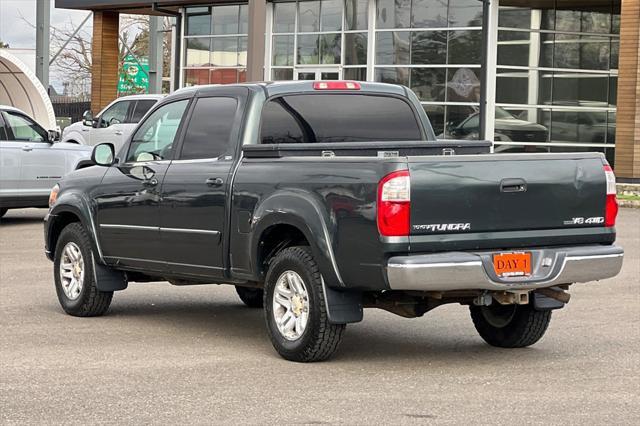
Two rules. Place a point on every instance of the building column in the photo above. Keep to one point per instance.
(104, 56)
(627, 165)
(256, 44)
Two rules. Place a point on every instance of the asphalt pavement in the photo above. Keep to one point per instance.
(196, 355)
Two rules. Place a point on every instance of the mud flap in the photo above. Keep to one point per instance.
(544, 303)
(108, 279)
(343, 307)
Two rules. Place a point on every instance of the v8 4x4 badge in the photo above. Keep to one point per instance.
(595, 220)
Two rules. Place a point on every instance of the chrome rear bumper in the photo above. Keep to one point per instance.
(470, 271)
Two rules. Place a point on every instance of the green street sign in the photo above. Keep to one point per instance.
(134, 76)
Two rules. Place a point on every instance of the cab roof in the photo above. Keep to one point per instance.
(272, 88)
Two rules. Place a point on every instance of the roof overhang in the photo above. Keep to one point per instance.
(144, 7)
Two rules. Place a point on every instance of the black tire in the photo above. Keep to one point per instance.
(3, 211)
(252, 297)
(320, 338)
(510, 326)
(90, 301)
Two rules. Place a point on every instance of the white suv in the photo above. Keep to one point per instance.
(31, 161)
(113, 124)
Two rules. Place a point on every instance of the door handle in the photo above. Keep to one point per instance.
(214, 181)
(27, 148)
(513, 185)
(118, 132)
(150, 182)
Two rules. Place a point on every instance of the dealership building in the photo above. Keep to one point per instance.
(533, 76)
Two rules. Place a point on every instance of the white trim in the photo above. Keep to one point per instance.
(556, 107)
(371, 40)
(491, 71)
(566, 143)
(268, 42)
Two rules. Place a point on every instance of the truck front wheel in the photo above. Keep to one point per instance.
(295, 309)
(510, 326)
(74, 276)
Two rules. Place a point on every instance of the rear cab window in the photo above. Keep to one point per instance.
(324, 118)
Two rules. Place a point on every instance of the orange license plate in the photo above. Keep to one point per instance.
(512, 264)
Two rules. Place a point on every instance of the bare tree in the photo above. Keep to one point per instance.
(74, 60)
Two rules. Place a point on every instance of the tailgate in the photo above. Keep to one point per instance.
(503, 192)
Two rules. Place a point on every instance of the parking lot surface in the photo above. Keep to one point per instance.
(166, 354)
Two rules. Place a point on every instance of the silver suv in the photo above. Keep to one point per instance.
(31, 161)
(113, 124)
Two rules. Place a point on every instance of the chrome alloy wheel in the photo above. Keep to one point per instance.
(291, 305)
(72, 270)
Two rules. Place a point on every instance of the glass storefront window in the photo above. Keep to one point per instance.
(330, 48)
(567, 84)
(309, 16)
(393, 47)
(215, 45)
(429, 14)
(465, 47)
(429, 47)
(355, 45)
(331, 15)
(356, 14)
(284, 17)
(308, 49)
(197, 52)
(224, 51)
(279, 74)
(225, 20)
(358, 74)
(429, 83)
(198, 21)
(465, 13)
(393, 14)
(282, 50)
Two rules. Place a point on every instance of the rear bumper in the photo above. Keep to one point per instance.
(470, 271)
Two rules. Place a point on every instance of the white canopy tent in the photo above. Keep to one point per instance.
(20, 88)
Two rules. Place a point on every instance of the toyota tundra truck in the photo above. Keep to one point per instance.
(318, 199)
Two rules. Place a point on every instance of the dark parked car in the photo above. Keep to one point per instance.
(317, 199)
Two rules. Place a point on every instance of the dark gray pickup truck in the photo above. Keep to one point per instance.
(319, 199)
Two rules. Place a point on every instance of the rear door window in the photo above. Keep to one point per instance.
(209, 130)
(322, 118)
(141, 108)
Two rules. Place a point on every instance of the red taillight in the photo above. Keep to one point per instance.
(394, 204)
(611, 204)
(336, 85)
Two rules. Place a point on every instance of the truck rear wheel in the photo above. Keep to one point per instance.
(74, 275)
(510, 326)
(252, 297)
(295, 309)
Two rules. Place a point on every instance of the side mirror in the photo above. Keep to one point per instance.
(54, 135)
(87, 118)
(103, 154)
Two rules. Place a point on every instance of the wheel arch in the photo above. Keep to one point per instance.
(287, 219)
(70, 208)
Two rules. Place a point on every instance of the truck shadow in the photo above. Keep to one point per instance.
(234, 324)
